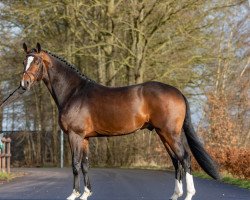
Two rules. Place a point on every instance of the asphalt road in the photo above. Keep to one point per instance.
(113, 184)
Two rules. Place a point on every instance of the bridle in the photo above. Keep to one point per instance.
(37, 75)
(20, 90)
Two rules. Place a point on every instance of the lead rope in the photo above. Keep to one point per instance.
(13, 96)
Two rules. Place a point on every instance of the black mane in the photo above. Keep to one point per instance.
(71, 66)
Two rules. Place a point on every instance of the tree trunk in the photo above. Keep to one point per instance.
(38, 125)
(109, 48)
(54, 133)
(138, 45)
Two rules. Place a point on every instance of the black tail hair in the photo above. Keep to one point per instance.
(200, 154)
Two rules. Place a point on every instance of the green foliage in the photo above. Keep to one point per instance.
(236, 181)
(5, 176)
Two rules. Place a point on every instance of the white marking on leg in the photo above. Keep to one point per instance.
(29, 61)
(86, 194)
(178, 190)
(190, 186)
(74, 195)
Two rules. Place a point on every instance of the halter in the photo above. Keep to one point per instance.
(39, 73)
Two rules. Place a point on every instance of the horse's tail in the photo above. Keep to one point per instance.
(200, 154)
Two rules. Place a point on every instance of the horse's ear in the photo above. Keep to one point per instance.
(38, 47)
(25, 48)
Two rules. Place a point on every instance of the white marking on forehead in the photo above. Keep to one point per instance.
(29, 61)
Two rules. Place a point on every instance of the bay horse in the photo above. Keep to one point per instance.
(88, 109)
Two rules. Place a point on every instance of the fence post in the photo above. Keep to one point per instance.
(5, 155)
(62, 149)
(8, 155)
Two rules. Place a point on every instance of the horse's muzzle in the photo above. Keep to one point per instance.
(25, 84)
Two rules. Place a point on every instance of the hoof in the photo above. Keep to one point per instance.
(87, 193)
(189, 197)
(74, 195)
(83, 197)
(175, 196)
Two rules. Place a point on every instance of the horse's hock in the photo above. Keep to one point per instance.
(5, 155)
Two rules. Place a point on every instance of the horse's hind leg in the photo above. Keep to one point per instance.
(189, 180)
(174, 141)
(77, 152)
(85, 168)
(178, 190)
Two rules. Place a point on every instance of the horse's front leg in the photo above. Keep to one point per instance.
(85, 168)
(77, 153)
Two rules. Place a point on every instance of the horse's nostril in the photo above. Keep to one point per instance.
(27, 82)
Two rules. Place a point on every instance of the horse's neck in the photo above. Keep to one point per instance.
(62, 82)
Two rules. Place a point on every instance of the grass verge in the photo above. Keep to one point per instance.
(227, 179)
(5, 177)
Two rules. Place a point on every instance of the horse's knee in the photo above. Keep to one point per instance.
(84, 168)
(85, 165)
(76, 167)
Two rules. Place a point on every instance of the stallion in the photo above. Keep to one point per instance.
(88, 109)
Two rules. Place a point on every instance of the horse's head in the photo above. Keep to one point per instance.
(33, 66)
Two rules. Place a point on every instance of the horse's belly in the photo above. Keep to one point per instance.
(120, 123)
